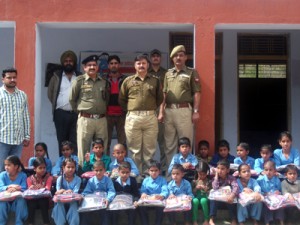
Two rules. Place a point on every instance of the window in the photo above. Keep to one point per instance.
(262, 70)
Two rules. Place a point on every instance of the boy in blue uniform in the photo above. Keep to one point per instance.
(223, 150)
(98, 183)
(185, 158)
(119, 153)
(242, 151)
(153, 185)
(125, 184)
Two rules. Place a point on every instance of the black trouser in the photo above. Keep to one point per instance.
(40, 203)
(144, 210)
(115, 216)
(65, 125)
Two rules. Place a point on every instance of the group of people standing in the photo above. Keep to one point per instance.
(153, 105)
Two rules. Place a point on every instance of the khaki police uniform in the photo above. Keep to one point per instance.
(160, 74)
(179, 88)
(141, 97)
(87, 97)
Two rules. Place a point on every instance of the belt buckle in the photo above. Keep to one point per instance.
(96, 116)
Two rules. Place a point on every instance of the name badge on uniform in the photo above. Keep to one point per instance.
(184, 76)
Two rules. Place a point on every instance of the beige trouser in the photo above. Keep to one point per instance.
(141, 134)
(89, 129)
(178, 124)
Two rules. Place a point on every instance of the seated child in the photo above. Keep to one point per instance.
(41, 179)
(242, 151)
(223, 150)
(222, 179)
(248, 185)
(265, 153)
(178, 186)
(98, 183)
(125, 184)
(290, 186)
(270, 183)
(286, 154)
(12, 180)
(201, 186)
(67, 183)
(90, 159)
(203, 149)
(67, 152)
(119, 153)
(185, 158)
(153, 185)
(41, 150)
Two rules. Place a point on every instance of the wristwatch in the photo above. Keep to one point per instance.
(196, 110)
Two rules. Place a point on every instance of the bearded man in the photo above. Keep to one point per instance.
(64, 117)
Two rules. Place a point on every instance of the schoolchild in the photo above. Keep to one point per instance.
(242, 151)
(12, 180)
(98, 183)
(265, 153)
(119, 154)
(40, 179)
(178, 186)
(201, 187)
(270, 184)
(222, 179)
(286, 154)
(125, 184)
(223, 150)
(157, 186)
(67, 152)
(203, 150)
(41, 150)
(185, 158)
(290, 185)
(97, 155)
(67, 183)
(248, 185)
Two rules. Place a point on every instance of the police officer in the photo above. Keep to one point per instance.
(181, 101)
(159, 72)
(141, 95)
(88, 97)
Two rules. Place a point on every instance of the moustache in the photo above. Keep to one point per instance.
(142, 67)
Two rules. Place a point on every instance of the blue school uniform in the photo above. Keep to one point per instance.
(280, 159)
(252, 210)
(105, 184)
(179, 159)
(19, 205)
(57, 168)
(114, 164)
(184, 188)
(249, 161)
(270, 185)
(216, 158)
(48, 163)
(59, 213)
(151, 186)
(259, 164)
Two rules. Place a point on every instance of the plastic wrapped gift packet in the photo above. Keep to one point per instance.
(151, 201)
(178, 203)
(92, 202)
(221, 194)
(6, 196)
(65, 198)
(121, 202)
(39, 193)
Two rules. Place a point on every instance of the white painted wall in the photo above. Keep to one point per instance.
(55, 38)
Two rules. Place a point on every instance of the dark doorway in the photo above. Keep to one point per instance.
(262, 71)
(262, 111)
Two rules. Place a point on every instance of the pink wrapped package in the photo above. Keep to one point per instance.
(67, 197)
(9, 196)
(179, 203)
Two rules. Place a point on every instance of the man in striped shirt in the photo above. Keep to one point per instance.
(14, 117)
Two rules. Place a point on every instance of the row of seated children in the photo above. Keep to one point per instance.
(283, 156)
(13, 180)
